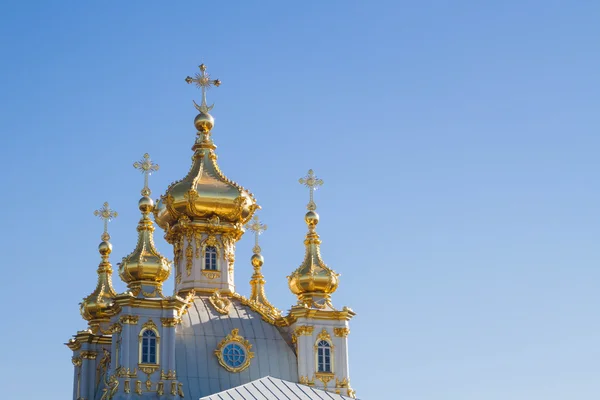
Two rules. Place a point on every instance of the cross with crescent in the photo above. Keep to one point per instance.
(106, 214)
(312, 183)
(147, 167)
(258, 228)
(203, 81)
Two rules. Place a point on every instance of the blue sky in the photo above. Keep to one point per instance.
(458, 141)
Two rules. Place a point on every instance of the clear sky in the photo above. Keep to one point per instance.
(458, 141)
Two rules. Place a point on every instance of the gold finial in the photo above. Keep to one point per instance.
(106, 214)
(312, 183)
(203, 81)
(146, 166)
(257, 283)
(258, 228)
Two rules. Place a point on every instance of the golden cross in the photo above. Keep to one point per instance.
(257, 227)
(106, 214)
(146, 166)
(203, 81)
(312, 183)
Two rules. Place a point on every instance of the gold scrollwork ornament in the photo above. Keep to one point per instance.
(168, 376)
(211, 274)
(324, 335)
(304, 330)
(221, 304)
(341, 332)
(88, 355)
(305, 381)
(324, 377)
(170, 322)
(149, 325)
(129, 319)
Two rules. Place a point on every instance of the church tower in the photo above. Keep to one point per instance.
(204, 213)
(207, 338)
(91, 347)
(319, 330)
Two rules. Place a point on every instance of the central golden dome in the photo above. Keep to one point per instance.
(205, 192)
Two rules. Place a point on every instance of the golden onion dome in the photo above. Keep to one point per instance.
(313, 279)
(98, 303)
(205, 192)
(97, 306)
(145, 265)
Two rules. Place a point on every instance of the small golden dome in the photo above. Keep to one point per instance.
(313, 278)
(145, 264)
(97, 306)
(205, 192)
(98, 303)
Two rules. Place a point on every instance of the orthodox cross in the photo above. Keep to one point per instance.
(146, 166)
(257, 227)
(312, 183)
(106, 214)
(203, 81)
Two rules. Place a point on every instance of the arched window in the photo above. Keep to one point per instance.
(323, 356)
(210, 258)
(149, 347)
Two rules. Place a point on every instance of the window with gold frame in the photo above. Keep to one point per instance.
(149, 344)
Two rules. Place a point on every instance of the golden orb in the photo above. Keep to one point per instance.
(204, 122)
(257, 260)
(311, 218)
(146, 204)
(105, 248)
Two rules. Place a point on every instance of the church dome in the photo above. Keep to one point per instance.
(145, 263)
(98, 303)
(214, 321)
(313, 277)
(205, 192)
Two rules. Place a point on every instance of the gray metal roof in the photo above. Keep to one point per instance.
(269, 388)
(201, 330)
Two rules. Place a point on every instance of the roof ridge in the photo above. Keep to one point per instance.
(320, 393)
